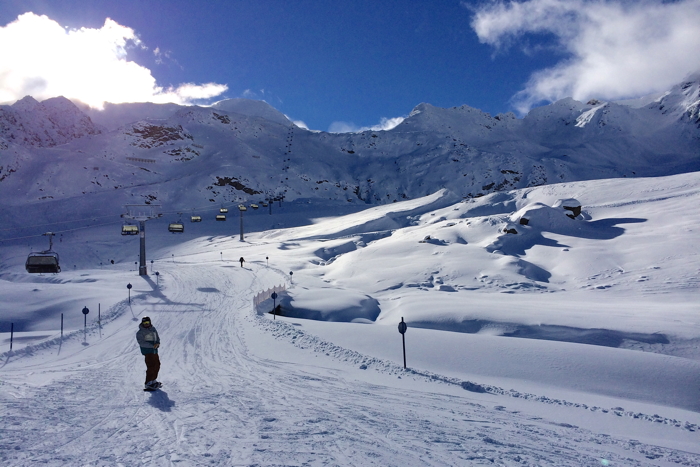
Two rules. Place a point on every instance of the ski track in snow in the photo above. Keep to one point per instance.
(223, 405)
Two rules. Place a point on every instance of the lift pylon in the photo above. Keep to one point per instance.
(142, 213)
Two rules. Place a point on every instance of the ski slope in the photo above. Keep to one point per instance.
(594, 361)
(236, 395)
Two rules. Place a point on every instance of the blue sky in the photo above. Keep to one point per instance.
(345, 65)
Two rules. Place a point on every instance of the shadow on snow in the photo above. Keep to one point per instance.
(601, 337)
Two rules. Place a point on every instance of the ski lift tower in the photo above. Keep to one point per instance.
(142, 213)
(242, 208)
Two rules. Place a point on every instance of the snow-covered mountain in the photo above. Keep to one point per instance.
(33, 124)
(240, 150)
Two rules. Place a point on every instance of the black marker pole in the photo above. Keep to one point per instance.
(85, 313)
(274, 305)
(403, 327)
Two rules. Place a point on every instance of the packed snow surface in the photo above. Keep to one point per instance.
(552, 341)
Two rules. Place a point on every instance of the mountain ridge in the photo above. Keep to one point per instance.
(179, 155)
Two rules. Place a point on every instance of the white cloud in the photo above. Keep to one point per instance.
(343, 127)
(46, 60)
(190, 91)
(299, 123)
(387, 124)
(616, 49)
(250, 94)
(383, 125)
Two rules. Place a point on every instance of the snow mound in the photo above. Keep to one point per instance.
(329, 304)
(526, 226)
(551, 218)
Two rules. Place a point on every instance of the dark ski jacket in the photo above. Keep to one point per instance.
(147, 338)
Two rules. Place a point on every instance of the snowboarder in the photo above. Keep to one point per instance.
(149, 341)
(241, 260)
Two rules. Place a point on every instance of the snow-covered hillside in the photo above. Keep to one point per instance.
(571, 339)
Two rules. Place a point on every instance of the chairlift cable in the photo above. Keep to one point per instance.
(73, 221)
(59, 231)
(58, 222)
(177, 211)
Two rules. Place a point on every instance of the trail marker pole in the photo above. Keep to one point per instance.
(403, 327)
(128, 286)
(157, 279)
(12, 333)
(291, 273)
(99, 318)
(61, 326)
(85, 313)
(274, 305)
(267, 258)
(151, 266)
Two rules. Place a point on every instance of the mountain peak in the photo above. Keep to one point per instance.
(27, 103)
(52, 122)
(60, 103)
(252, 108)
(682, 101)
(420, 108)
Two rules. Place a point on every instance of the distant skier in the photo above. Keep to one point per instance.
(242, 261)
(149, 341)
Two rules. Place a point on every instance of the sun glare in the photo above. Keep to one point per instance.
(90, 65)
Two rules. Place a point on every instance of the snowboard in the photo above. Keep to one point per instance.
(160, 385)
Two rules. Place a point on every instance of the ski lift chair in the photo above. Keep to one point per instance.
(45, 261)
(223, 210)
(130, 229)
(220, 217)
(196, 219)
(176, 227)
